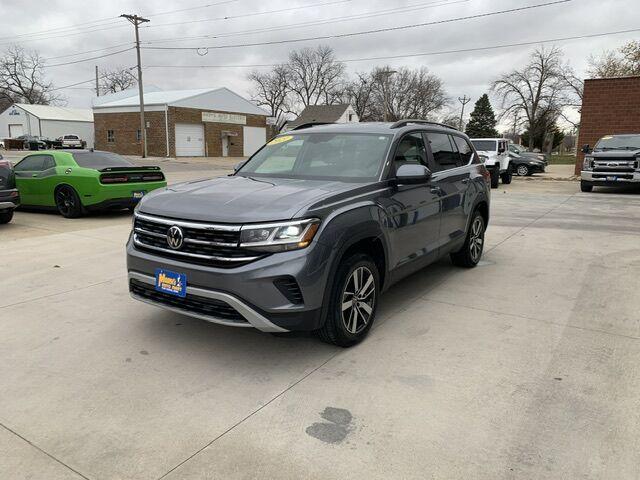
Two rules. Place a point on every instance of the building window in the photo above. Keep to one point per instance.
(351, 117)
(138, 135)
(111, 137)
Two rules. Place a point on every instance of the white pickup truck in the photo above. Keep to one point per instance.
(496, 158)
(72, 141)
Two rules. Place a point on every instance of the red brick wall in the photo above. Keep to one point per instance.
(125, 126)
(609, 106)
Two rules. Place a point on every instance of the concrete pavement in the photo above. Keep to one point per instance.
(525, 367)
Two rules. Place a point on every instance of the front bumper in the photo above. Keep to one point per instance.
(249, 289)
(610, 179)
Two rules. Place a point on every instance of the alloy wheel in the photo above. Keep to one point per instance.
(522, 170)
(65, 201)
(476, 240)
(358, 300)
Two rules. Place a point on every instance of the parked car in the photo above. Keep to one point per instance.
(74, 182)
(52, 142)
(614, 161)
(525, 166)
(9, 196)
(72, 141)
(32, 142)
(497, 158)
(523, 152)
(308, 232)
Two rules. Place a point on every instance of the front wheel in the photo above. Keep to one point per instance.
(586, 187)
(506, 177)
(5, 217)
(68, 202)
(495, 177)
(471, 252)
(522, 170)
(353, 302)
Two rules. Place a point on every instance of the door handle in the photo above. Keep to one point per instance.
(436, 190)
(465, 180)
(34, 175)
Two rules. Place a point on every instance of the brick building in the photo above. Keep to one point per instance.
(609, 106)
(181, 123)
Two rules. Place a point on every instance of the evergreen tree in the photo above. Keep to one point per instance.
(483, 121)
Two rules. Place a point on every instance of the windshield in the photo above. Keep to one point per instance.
(515, 148)
(484, 145)
(321, 156)
(71, 137)
(99, 160)
(621, 142)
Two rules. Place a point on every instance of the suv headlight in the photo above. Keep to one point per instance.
(586, 165)
(279, 236)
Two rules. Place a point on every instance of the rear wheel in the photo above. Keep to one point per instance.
(495, 177)
(5, 217)
(522, 170)
(471, 252)
(68, 202)
(353, 302)
(507, 176)
(586, 186)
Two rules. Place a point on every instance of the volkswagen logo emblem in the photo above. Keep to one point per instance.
(175, 237)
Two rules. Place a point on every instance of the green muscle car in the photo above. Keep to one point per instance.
(79, 181)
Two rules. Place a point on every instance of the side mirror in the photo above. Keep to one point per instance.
(586, 148)
(412, 174)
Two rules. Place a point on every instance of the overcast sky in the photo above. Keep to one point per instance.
(462, 73)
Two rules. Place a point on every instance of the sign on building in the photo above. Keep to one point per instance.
(224, 118)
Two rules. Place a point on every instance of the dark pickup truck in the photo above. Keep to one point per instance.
(9, 196)
(613, 162)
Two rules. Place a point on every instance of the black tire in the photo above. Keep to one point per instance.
(68, 202)
(5, 217)
(506, 177)
(523, 170)
(495, 177)
(586, 187)
(335, 330)
(471, 252)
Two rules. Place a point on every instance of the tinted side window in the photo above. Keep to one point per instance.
(445, 155)
(48, 163)
(411, 149)
(34, 163)
(465, 150)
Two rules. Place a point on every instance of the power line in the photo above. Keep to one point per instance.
(91, 58)
(253, 14)
(424, 54)
(57, 29)
(366, 32)
(65, 87)
(88, 51)
(360, 16)
(192, 8)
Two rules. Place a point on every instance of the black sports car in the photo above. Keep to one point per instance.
(525, 166)
(9, 196)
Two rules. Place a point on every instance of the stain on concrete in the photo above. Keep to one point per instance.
(420, 381)
(144, 352)
(128, 359)
(335, 429)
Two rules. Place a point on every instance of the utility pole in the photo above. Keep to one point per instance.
(464, 100)
(97, 84)
(386, 74)
(136, 21)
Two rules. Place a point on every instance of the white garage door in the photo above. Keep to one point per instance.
(254, 138)
(15, 130)
(189, 140)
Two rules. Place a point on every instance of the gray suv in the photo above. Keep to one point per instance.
(307, 233)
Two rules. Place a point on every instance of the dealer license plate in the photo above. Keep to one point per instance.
(171, 282)
(139, 194)
(612, 178)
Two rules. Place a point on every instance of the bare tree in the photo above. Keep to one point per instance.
(622, 62)
(360, 94)
(22, 78)
(574, 87)
(534, 92)
(316, 76)
(116, 80)
(271, 90)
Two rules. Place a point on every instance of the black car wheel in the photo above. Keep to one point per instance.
(586, 187)
(68, 202)
(471, 252)
(522, 170)
(495, 177)
(353, 302)
(507, 176)
(5, 217)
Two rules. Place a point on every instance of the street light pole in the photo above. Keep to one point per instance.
(386, 74)
(136, 21)
(464, 100)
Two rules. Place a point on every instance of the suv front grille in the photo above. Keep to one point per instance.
(192, 303)
(202, 243)
(614, 165)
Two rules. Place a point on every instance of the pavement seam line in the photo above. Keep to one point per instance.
(44, 451)
(247, 417)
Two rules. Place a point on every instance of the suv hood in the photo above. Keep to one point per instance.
(238, 199)
(615, 154)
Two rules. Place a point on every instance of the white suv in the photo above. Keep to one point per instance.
(72, 141)
(495, 152)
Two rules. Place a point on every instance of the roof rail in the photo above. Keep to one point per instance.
(310, 124)
(407, 121)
